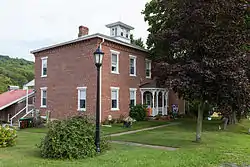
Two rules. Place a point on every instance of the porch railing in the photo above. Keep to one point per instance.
(11, 119)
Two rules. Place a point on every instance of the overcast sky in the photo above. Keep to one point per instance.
(31, 24)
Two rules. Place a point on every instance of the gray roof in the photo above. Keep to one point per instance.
(97, 35)
(120, 24)
(31, 83)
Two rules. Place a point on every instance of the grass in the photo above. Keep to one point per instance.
(116, 128)
(217, 147)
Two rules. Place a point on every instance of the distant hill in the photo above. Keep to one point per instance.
(14, 71)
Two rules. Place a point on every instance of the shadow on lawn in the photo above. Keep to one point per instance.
(190, 125)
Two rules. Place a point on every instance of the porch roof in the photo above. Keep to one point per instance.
(12, 97)
(152, 84)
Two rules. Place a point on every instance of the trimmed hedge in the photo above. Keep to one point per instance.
(73, 138)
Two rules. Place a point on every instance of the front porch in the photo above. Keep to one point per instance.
(156, 99)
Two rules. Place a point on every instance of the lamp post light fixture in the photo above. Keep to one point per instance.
(98, 56)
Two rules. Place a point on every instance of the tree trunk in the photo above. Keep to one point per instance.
(225, 123)
(199, 122)
(234, 118)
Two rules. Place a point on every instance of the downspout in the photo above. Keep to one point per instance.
(100, 45)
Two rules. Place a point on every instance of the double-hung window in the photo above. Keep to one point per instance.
(148, 68)
(43, 97)
(44, 66)
(114, 98)
(132, 92)
(115, 62)
(81, 99)
(132, 65)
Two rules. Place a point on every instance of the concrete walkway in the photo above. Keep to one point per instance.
(145, 145)
(145, 129)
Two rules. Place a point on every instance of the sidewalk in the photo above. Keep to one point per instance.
(144, 145)
(145, 129)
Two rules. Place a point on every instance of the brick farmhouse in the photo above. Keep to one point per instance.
(65, 76)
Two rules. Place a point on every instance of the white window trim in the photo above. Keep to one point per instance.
(42, 89)
(133, 89)
(117, 89)
(147, 60)
(117, 68)
(44, 58)
(132, 57)
(78, 98)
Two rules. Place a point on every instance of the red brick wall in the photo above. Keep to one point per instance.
(121, 80)
(173, 99)
(72, 66)
(68, 67)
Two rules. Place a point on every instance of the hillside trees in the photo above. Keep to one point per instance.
(15, 71)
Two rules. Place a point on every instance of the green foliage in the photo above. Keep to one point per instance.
(138, 42)
(198, 50)
(138, 112)
(193, 108)
(14, 71)
(73, 138)
(7, 136)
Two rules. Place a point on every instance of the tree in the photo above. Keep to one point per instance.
(14, 71)
(197, 47)
(138, 42)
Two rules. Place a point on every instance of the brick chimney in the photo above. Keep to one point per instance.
(83, 31)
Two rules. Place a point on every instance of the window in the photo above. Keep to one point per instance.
(132, 65)
(113, 31)
(115, 62)
(132, 92)
(122, 32)
(44, 97)
(148, 99)
(44, 66)
(114, 98)
(81, 104)
(148, 69)
(127, 33)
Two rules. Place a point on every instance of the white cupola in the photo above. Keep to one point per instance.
(120, 31)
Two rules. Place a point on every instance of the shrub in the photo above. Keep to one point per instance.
(73, 138)
(138, 112)
(7, 136)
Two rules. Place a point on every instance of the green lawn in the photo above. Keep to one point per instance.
(116, 128)
(217, 147)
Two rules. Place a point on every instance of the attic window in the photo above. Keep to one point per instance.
(126, 33)
(122, 32)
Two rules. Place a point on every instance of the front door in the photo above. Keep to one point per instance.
(148, 99)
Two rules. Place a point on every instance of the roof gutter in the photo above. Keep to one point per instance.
(89, 37)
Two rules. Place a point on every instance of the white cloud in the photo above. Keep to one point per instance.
(30, 24)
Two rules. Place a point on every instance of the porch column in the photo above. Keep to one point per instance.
(162, 102)
(157, 102)
(153, 108)
(142, 93)
(166, 97)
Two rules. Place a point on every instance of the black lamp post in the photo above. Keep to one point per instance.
(98, 55)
